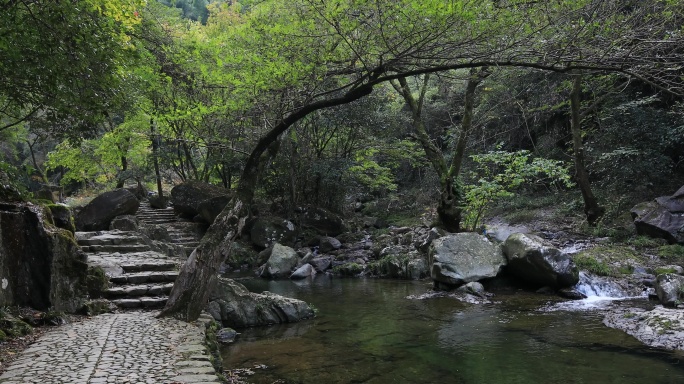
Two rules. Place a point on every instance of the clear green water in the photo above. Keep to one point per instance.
(366, 331)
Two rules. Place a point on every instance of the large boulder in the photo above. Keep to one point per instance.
(98, 214)
(661, 218)
(322, 221)
(328, 244)
(464, 257)
(670, 289)
(537, 264)
(266, 231)
(40, 265)
(281, 263)
(188, 196)
(124, 223)
(234, 306)
(211, 207)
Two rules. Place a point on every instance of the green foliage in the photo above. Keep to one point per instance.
(348, 269)
(63, 59)
(638, 143)
(500, 174)
(671, 252)
(102, 159)
(660, 271)
(645, 242)
(592, 265)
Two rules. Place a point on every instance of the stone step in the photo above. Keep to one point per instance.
(145, 277)
(118, 238)
(156, 266)
(136, 291)
(116, 248)
(145, 302)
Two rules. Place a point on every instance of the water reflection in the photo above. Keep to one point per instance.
(367, 331)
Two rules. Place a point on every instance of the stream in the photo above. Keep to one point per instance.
(368, 331)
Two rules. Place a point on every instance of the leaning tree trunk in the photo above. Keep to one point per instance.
(592, 209)
(191, 290)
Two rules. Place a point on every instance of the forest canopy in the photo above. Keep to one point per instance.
(293, 99)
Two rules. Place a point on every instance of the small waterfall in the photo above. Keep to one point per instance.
(600, 291)
(600, 287)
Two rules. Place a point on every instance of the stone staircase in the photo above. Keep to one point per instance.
(139, 277)
(186, 234)
(140, 273)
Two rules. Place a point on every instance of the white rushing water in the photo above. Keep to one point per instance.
(600, 291)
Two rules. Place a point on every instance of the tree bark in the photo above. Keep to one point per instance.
(155, 159)
(592, 209)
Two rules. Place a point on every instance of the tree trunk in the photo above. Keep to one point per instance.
(192, 287)
(155, 158)
(124, 167)
(449, 207)
(591, 206)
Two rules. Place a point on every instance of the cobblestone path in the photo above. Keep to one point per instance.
(131, 347)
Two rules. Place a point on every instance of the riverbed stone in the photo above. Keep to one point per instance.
(670, 289)
(464, 257)
(306, 270)
(328, 244)
(659, 328)
(282, 261)
(321, 263)
(535, 263)
(662, 217)
(232, 305)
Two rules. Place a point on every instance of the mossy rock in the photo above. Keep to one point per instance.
(98, 307)
(348, 269)
(14, 327)
(96, 282)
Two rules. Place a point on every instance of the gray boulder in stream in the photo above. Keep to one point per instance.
(535, 263)
(464, 257)
(670, 289)
(281, 263)
(234, 306)
(662, 217)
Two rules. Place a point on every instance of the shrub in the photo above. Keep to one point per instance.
(592, 265)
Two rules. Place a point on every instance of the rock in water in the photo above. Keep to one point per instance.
(306, 270)
(670, 289)
(98, 214)
(234, 306)
(226, 335)
(661, 218)
(535, 263)
(464, 257)
(281, 263)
